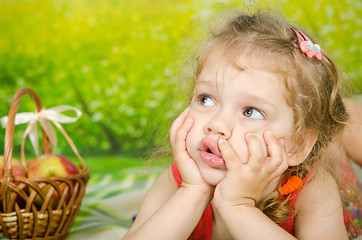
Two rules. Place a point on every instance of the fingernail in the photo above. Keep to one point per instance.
(248, 135)
(282, 141)
(221, 141)
(269, 133)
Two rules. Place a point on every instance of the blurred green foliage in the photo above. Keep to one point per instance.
(114, 60)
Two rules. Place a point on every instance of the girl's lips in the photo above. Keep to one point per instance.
(212, 160)
(210, 154)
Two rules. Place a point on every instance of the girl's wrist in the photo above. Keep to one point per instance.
(228, 210)
(231, 205)
(203, 189)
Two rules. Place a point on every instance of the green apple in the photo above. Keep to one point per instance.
(51, 165)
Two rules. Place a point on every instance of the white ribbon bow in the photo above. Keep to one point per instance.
(43, 117)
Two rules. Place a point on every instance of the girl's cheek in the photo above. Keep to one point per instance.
(191, 138)
(191, 113)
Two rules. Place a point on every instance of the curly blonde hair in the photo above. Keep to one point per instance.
(263, 40)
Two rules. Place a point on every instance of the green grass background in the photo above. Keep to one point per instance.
(116, 61)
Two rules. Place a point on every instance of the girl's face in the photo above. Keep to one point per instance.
(229, 103)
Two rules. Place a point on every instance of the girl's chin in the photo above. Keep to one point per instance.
(213, 176)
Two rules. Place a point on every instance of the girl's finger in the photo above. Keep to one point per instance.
(179, 147)
(284, 164)
(177, 124)
(256, 153)
(275, 151)
(229, 155)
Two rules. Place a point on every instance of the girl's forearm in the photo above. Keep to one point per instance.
(246, 222)
(176, 219)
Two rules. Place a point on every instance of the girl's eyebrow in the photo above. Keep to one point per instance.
(259, 100)
(204, 83)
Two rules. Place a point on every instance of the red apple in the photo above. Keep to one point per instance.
(17, 167)
(51, 165)
(18, 170)
(48, 166)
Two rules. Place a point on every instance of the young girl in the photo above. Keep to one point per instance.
(249, 151)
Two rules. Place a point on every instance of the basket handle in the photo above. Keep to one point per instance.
(10, 127)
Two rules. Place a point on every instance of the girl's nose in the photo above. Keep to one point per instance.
(221, 124)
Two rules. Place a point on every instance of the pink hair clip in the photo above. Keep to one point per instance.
(307, 46)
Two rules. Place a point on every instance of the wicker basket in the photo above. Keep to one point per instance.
(23, 218)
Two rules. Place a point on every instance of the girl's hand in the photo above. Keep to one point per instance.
(187, 166)
(244, 184)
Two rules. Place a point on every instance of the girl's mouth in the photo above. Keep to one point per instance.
(210, 154)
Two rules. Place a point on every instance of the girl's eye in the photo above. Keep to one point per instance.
(253, 113)
(207, 101)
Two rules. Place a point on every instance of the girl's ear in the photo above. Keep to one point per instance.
(299, 153)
